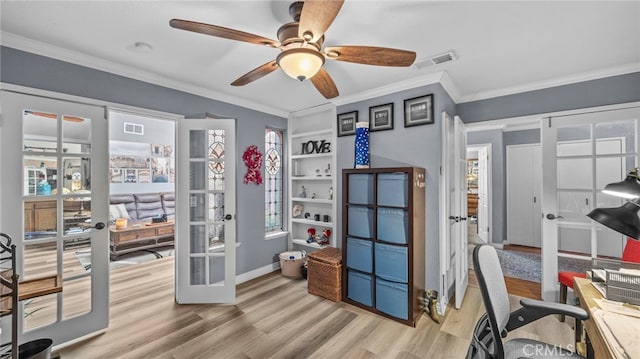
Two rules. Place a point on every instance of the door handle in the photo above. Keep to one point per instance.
(228, 217)
(456, 218)
(99, 226)
(463, 218)
(551, 216)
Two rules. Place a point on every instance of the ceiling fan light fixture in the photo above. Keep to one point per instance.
(300, 63)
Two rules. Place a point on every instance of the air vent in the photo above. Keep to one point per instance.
(448, 56)
(133, 128)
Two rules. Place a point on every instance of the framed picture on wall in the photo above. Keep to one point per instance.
(347, 123)
(381, 117)
(418, 111)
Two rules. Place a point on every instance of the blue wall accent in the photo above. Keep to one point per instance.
(600, 92)
(419, 146)
(27, 69)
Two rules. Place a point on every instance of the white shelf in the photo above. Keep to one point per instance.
(311, 178)
(312, 200)
(311, 155)
(312, 222)
(303, 242)
(312, 133)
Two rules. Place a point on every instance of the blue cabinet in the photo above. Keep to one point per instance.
(383, 244)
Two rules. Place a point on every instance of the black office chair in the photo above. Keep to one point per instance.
(498, 321)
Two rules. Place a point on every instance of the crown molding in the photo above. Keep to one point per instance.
(567, 80)
(391, 88)
(40, 48)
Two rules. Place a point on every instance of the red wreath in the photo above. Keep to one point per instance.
(253, 160)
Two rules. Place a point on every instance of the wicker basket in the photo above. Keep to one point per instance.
(325, 273)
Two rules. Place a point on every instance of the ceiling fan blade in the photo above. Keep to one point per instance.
(316, 17)
(323, 82)
(223, 32)
(371, 55)
(256, 73)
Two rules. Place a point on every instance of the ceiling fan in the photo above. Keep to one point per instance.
(300, 42)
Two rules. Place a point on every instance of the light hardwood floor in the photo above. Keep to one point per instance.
(274, 317)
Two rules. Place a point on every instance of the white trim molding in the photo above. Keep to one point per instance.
(258, 272)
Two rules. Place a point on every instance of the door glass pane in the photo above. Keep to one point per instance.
(612, 169)
(615, 137)
(40, 311)
(40, 260)
(76, 134)
(575, 173)
(76, 257)
(40, 219)
(76, 297)
(40, 131)
(40, 176)
(575, 205)
(196, 207)
(574, 240)
(574, 141)
(197, 238)
(604, 200)
(216, 206)
(197, 270)
(216, 270)
(197, 177)
(216, 176)
(610, 242)
(76, 214)
(76, 175)
(197, 141)
(216, 238)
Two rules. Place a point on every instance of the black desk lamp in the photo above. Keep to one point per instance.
(623, 219)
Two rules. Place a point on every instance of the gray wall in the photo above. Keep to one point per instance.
(600, 92)
(419, 146)
(27, 69)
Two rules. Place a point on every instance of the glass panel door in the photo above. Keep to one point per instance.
(205, 242)
(581, 154)
(54, 199)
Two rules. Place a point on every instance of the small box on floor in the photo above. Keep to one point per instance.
(325, 273)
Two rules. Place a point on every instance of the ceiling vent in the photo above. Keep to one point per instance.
(133, 128)
(446, 57)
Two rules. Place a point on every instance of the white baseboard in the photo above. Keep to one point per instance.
(245, 277)
(498, 245)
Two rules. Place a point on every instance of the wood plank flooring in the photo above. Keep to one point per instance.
(274, 317)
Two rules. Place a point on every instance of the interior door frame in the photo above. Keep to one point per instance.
(488, 185)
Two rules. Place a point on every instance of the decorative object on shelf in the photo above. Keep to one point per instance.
(418, 111)
(318, 174)
(316, 217)
(297, 210)
(315, 146)
(307, 215)
(303, 193)
(252, 158)
(326, 233)
(347, 123)
(311, 232)
(327, 171)
(314, 195)
(381, 117)
(296, 169)
(330, 193)
(362, 145)
(325, 218)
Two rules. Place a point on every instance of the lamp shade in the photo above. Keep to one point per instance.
(628, 188)
(300, 63)
(623, 219)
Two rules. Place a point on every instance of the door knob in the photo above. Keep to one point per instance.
(99, 226)
(551, 216)
(228, 217)
(456, 218)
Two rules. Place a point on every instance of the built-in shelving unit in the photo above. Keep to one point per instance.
(312, 164)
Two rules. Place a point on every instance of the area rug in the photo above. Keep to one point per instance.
(527, 266)
(124, 260)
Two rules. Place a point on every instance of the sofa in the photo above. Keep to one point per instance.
(139, 209)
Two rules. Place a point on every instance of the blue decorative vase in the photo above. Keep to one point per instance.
(362, 145)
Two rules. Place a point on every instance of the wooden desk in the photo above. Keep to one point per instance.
(597, 347)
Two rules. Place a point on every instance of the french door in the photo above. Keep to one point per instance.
(460, 207)
(206, 226)
(580, 155)
(54, 202)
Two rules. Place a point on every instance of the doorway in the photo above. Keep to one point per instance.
(479, 193)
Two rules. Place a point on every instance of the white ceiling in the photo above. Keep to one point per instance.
(502, 47)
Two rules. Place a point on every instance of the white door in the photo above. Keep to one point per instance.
(205, 213)
(580, 155)
(459, 210)
(447, 250)
(54, 198)
(523, 195)
(483, 214)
